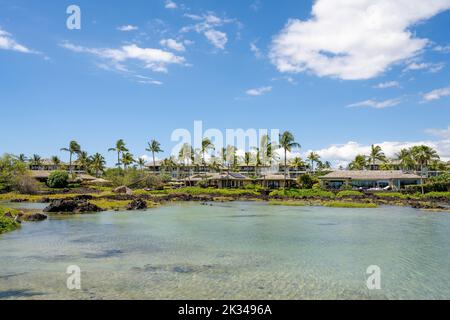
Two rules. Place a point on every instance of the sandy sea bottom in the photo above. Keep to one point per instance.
(231, 251)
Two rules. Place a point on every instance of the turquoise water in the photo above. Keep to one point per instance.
(231, 251)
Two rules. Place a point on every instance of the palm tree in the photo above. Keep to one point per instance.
(36, 160)
(313, 157)
(231, 156)
(423, 155)
(83, 160)
(120, 149)
(207, 145)
(376, 154)
(359, 163)
(247, 158)
(74, 148)
(154, 147)
(141, 163)
(127, 159)
(21, 158)
(405, 158)
(97, 163)
(56, 161)
(297, 163)
(287, 142)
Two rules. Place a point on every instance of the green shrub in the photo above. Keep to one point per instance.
(58, 179)
(154, 182)
(302, 193)
(349, 193)
(437, 195)
(7, 224)
(25, 184)
(306, 181)
(341, 204)
(10, 169)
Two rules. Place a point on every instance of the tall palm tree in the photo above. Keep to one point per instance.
(359, 163)
(154, 147)
(36, 160)
(231, 156)
(97, 163)
(83, 160)
(21, 158)
(247, 158)
(74, 148)
(405, 158)
(287, 142)
(56, 161)
(120, 148)
(127, 159)
(297, 163)
(267, 148)
(207, 145)
(313, 158)
(423, 155)
(141, 163)
(376, 154)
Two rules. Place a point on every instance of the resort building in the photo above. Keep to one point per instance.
(219, 180)
(388, 180)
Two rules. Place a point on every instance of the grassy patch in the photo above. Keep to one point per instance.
(438, 195)
(303, 193)
(7, 224)
(107, 204)
(349, 193)
(343, 204)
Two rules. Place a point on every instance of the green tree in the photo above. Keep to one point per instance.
(422, 155)
(405, 158)
(58, 179)
(74, 148)
(313, 158)
(154, 147)
(97, 164)
(376, 154)
(83, 160)
(297, 163)
(36, 160)
(120, 148)
(359, 163)
(287, 142)
(127, 160)
(141, 163)
(207, 145)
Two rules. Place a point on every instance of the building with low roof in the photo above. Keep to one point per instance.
(219, 180)
(360, 179)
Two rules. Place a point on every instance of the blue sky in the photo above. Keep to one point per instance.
(341, 75)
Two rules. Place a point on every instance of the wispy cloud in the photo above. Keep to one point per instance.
(386, 85)
(7, 42)
(443, 49)
(258, 91)
(173, 44)
(156, 60)
(208, 24)
(436, 94)
(442, 133)
(256, 51)
(170, 5)
(376, 104)
(128, 27)
(431, 67)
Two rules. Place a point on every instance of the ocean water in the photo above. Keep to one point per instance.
(230, 251)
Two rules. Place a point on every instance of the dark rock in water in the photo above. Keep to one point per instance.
(182, 269)
(83, 197)
(8, 215)
(19, 200)
(33, 217)
(45, 200)
(137, 204)
(72, 206)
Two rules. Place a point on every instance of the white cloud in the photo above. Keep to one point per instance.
(443, 49)
(342, 154)
(207, 25)
(173, 44)
(171, 5)
(154, 59)
(256, 51)
(443, 133)
(126, 28)
(389, 84)
(258, 91)
(7, 42)
(218, 38)
(436, 94)
(376, 104)
(432, 67)
(353, 39)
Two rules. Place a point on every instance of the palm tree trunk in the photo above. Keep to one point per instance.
(70, 162)
(285, 166)
(154, 162)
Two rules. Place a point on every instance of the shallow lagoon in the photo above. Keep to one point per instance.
(231, 251)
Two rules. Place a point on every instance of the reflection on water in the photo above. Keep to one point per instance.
(238, 251)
